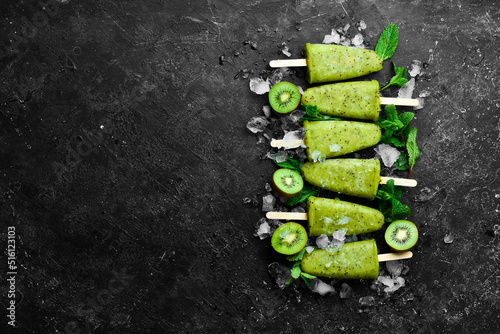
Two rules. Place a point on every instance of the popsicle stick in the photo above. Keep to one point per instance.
(399, 101)
(288, 143)
(394, 256)
(288, 63)
(286, 215)
(399, 182)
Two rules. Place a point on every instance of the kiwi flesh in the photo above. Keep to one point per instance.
(289, 238)
(284, 97)
(287, 182)
(401, 235)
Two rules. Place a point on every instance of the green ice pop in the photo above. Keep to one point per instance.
(326, 216)
(327, 62)
(356, 99)
(355, 177)
(336, 138)
(355, 260)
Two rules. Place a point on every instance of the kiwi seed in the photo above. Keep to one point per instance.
(289, 238)
(284, 97)
(287, 182)
(401, 235)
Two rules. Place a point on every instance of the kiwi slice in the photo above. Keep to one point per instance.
(284, 97)
(289, 238)
(287, 182)
(401, 235)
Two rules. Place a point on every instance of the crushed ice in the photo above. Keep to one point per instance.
(266, 110)
(317, 156)
(388, 154)
(321, 287)
(280, 273)
(257, 124)
(448, 239)
(322, 241)
(334, 147)
(345, 291)
(406, 91)
(264, 229)
(268, 202)
(259, 85)
(293, 139)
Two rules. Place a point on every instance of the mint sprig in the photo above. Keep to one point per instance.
(296, 271)
(399, 133)
(389, 202)
(388, 41)
(302, 196)
(399, 78)
(314, 114)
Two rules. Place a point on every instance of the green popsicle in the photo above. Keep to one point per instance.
(354, 177)
(326, 216)
(356, 99)
(337, 138)
(355, 260)
(327, 62)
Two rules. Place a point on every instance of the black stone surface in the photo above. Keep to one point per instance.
(125, 160)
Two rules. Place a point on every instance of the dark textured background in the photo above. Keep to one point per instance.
(125, 160)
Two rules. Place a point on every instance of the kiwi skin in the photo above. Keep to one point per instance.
(391, 229)
(277, 188)
(274, 94)
(297, 236)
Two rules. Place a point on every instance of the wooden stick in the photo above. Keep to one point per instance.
(399, 182)
(288, 63)
(394, 256)
(286, 215)
(279, 143)
(399, 101)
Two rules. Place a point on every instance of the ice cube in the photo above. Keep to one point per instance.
(257, 124)
(309, 249)
(321, 287)
(358, 40)
(264, 229)
(334, 147)
(334, 38)
(266, 110)
(449, 238)
(286, 51)
(338, 238)
(268, 202)
(317, 156)
(386, 280)
(406, 91)
(322, 241)
(388, 154)
(415, 68)
(362, 25)
(275, 77)
(280, 157)
(259, 86)
(280, 273)
(345, 291)
(394, 267)
(344, 220)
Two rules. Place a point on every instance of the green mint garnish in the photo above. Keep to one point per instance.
(387, 42)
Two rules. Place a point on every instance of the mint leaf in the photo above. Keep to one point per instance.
(399, 78)
(406, 117)
(387, 43)
(296, 271)
(298, 256)
(313, 114)
(303, 195)
(412, 148)
(402, 162)
(388, 197)
(288, 163)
